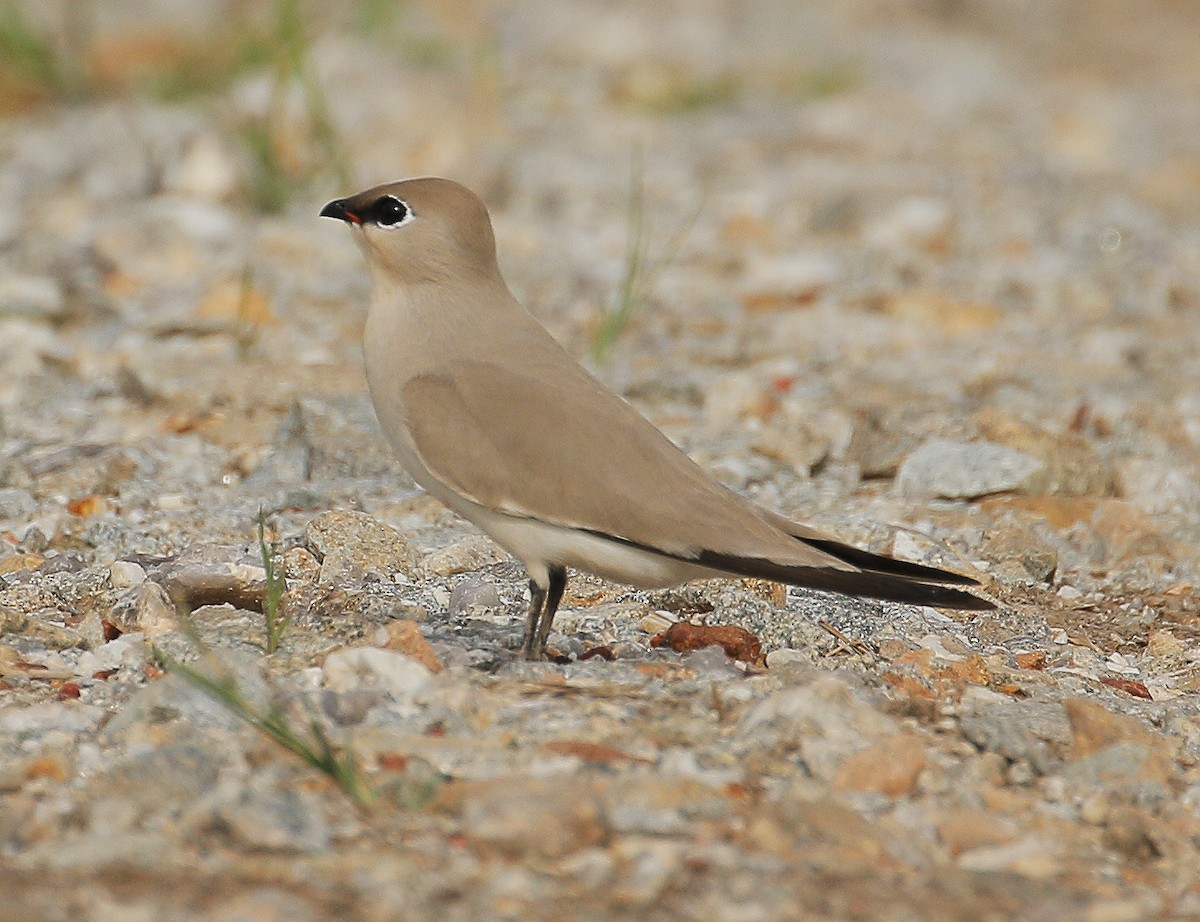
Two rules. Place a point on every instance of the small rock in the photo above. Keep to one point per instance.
(889, 766)
(38, 628)
(127, 651)
(963, 830)
(301, 566)
(656, 622)
(545, 817)
(287, 819)
(474, 592)
(788, 658)
(355, 548)
(214, 574)
(1156, 488)
(467, 555)
(35, 296)
(1018, 551)
(920, 222)
(372, 668)
(147, 608)
(965, 470)
(1073, 467)
(1028, 857)
(1127, 532)
(1094, 727)
(124, 574)
(406, 637)
(829, 718)
(1014, 730)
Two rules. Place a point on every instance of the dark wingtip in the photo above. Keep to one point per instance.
(866, 583)
(881, 563)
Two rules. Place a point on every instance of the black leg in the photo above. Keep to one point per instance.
(537, 600)
(558, 582)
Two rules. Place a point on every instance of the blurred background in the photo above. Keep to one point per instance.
(805, 237)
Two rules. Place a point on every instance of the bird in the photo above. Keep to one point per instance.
(493, 417)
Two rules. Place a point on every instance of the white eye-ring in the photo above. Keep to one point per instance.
(389, 212)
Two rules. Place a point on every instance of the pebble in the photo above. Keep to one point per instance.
(888, 766)
(915, 222)
(32, 296)
(466, 555)
(1156, 488)
(124, 574)
(546, 817)
(355, 548)
(966, 470)
(1018, 551)
(1027, 857)
(276, 818)
(353, 669)
(474, 594)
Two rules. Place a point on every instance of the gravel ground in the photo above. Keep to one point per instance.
(926, 275)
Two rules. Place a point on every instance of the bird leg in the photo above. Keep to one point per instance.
(537, 600)
(543, 603)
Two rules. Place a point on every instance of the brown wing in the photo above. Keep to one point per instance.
(561, 448)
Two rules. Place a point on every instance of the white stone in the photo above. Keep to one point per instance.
(353, 668)
(964, 470)
(125, 574)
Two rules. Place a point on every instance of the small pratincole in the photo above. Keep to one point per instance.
(492, 416)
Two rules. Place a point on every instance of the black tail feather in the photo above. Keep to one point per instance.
(880, 563)
(891, 580)
(873, 585)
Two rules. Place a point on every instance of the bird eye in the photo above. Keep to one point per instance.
(389, 211)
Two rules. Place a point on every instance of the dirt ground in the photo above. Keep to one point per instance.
(925, 275)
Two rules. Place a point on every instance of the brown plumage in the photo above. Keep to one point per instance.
(492, 416)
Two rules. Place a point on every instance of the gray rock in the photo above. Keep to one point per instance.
(125, 574)
(474, 552)
(146, 608)
(549, 817)
(1018, 551)
(36, 720)
(965, 470)
(329, 438)
(276, 818)
(474, 592)
(214, 574)
(353, 669)
(31, 296)
(1015, 730)
(355, 548)
(16, 504)
(39, 626)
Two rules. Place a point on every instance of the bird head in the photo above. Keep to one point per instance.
(420, 230)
